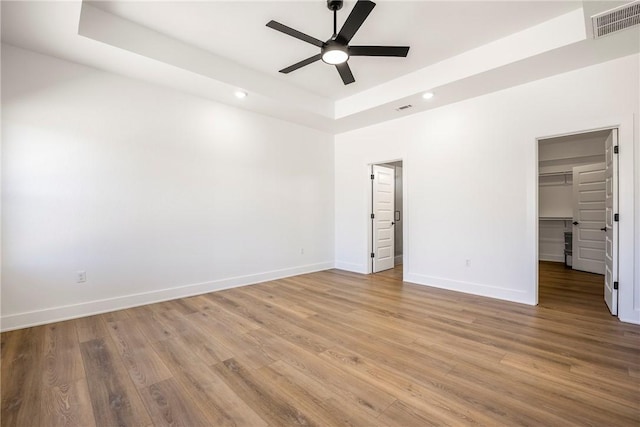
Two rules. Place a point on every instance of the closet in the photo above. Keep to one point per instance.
(555, 194)
(561, 194)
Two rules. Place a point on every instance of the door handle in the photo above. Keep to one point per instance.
(604, 228)
(392, 223)
(575, 223)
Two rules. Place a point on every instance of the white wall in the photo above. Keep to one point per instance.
(154, 193)
(470, 187)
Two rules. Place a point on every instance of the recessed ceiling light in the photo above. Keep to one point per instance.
(240, 94)
(427, 95)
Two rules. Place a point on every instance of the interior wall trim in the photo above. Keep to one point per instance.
(512, 295)
(352, 267)
(67, 312)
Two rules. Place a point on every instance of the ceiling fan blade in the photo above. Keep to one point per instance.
(401, 51)
(294, 33)
(301, 64)
(345, 73)
(360, 11)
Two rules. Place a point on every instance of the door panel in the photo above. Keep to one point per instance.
(611, 235)
(589, 211)
(383, 207)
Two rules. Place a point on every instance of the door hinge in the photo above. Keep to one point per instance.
(615, 285)
(616, 217)
(372, 176)
(372, 216)
(615, 149)
(373, 255)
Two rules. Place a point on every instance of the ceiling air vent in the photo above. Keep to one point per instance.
(404, 107)
(616, 19)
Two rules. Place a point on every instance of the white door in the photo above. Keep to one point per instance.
(589, 218)
(383, 233)
(611, 233)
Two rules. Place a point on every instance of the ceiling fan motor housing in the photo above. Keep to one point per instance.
(333, 47)
(334, 4)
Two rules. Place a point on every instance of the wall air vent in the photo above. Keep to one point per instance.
(616, 19)
(404, 107)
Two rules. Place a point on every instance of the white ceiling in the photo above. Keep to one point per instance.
(435, 30)
(212, 48)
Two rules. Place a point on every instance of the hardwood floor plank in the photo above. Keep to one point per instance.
(265, 400)
(206, 388)
(114, 398)
(150, 324)
(402, 414)
(569, 344)
(392, 353)
(91, 328)
(21, 377)
(114, 316)
(194, 332)
(324, 411)
(362, 394)
(206, 306)
(279, 322)
(608, 396)
(143, 364)
(281, 303)
(244, 350)
(503, 385)
(62, 359)
(429, 397)
(67, 405)
(169, 405)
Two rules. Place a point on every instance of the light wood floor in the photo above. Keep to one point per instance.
(333, 348)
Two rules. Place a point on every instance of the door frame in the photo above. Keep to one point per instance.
(625, 209)
(405, 226)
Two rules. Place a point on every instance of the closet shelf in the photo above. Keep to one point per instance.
(555, 218)
(556, 173)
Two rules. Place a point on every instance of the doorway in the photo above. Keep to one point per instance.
(577, 206)
(387, 216)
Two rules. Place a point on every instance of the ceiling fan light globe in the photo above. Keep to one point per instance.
(334, 56)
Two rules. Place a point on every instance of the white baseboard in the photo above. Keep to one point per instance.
(397, 260)
(349, 266)
(57, 314)
(627, 320)
(512, 295)
(551, 257)
(635, 316)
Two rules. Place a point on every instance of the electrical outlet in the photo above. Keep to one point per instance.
(467, 263)
(81, 276)
(301, 251)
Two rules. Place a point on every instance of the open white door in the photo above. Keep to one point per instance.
(383, 188)
(589, 218)
(611, 233)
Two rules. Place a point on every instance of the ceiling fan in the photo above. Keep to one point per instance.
(336, 51)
